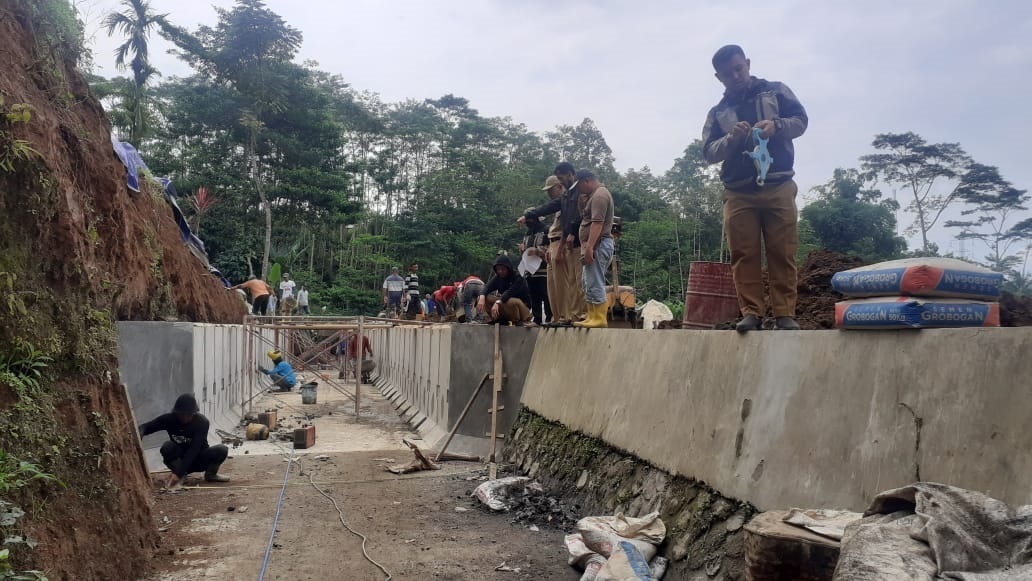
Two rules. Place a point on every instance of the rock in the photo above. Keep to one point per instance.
(583, 480)
(734, 523)
(242, 509)
(461, 509)
(230, 508)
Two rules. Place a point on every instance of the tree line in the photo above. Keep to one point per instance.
(284, 163)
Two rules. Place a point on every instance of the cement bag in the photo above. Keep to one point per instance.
(922, 277)
(579, 552)
(498, 494)
(625, 564)
(915, 313)
(600, 536)
(592, 567)
(653, 313)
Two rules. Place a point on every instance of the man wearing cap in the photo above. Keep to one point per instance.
(187, 448)
(286, 299)
(596, 235)
(282, 375)
(566, 293)
(393, 290)
(760, 215)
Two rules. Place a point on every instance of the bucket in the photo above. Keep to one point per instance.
(308, 393)
(711, 296)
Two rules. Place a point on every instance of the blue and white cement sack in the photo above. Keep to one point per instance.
(915, 313)
(920, 277)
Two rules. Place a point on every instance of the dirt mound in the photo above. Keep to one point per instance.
(78, 251)
(815, 308)
(1015, 311)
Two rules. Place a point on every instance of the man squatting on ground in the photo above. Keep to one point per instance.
(393, 289)
(282, 375)
(506, 296)
(757, 217)
(565, 291)
(596, 236)
(187, 448)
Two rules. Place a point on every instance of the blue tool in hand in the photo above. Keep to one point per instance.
(760, 156)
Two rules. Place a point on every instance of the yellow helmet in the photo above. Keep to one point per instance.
(275, 354)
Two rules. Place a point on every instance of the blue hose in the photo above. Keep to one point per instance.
(275, 522)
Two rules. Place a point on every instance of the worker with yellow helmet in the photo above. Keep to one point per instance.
(282, 375)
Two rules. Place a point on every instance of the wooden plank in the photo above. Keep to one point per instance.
(493, 466)
(462, 416)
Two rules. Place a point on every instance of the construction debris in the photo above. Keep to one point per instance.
(421, 462)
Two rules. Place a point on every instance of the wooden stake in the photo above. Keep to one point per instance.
(462, 416)
(136, 432)
(493, 466)
(358, 364)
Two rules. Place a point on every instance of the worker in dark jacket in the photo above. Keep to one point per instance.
(506, 296)
(187, 448)
(760, 214)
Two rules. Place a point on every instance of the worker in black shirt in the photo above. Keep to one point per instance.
(187, 449)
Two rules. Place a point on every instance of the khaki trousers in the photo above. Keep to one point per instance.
(511, 311)
(758, 221)
(565, 292)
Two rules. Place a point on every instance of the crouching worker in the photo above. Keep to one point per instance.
(282, 374)
(506, 296)
(187, 448)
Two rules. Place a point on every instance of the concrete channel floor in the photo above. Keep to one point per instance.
(420, 526)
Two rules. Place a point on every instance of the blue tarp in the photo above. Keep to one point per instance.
(134, 164)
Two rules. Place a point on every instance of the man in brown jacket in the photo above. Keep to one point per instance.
(759, 214)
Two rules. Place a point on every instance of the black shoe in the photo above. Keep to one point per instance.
(786, 324)
(749, 323)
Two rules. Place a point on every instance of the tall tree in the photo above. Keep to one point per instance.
(849, 216)
(994, 202)
(930, 172)
(583, 146)
(135, 22)
(251, 49)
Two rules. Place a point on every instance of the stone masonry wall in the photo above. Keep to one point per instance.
(704, 529)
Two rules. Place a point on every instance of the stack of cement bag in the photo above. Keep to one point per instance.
(917, 293)
(618, 548)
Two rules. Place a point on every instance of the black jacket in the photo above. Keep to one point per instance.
(763, 100)
(510, 287)
(569, 213)
(192, 438)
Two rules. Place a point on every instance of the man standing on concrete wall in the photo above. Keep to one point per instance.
(759, 214)
(187, 448)
(393, 291)
(596, 236)
(564, 245)
(415, 305)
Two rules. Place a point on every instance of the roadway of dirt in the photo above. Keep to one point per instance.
(420, 526)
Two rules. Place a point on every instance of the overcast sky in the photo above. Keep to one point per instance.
(949, 70)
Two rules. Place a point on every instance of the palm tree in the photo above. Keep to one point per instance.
(135, 23)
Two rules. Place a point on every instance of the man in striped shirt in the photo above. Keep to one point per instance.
(412, 288)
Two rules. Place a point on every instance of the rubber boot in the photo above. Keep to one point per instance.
(786, 324)
(596, 317)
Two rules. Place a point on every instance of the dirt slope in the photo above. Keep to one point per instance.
(78, 251)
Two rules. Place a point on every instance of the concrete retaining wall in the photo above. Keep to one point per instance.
(159, 361)
(430, 373)
(813, 419)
